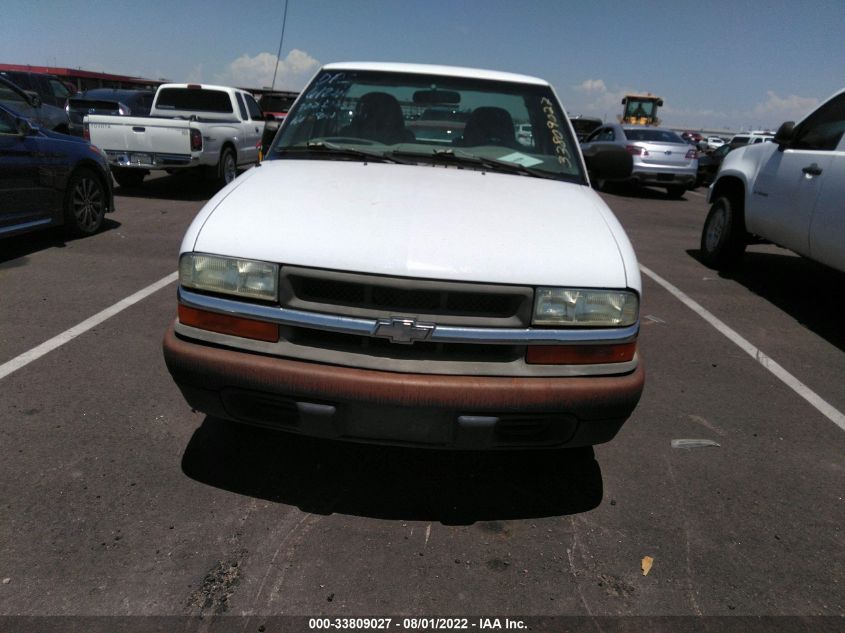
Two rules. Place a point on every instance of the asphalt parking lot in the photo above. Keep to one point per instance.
(117, 499)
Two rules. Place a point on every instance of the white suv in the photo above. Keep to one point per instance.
(790, 192)
(751, 138)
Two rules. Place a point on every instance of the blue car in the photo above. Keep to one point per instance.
(50, 179)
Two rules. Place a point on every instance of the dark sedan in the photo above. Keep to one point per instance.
(50, 179)
(709, 163)
(584, 126)
(106, 101)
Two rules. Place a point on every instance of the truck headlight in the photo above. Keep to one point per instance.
(585, 307)
(228, 275)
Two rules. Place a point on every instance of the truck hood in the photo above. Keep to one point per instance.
(748, 157)
(418, 221)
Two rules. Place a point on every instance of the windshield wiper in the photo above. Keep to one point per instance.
(339, 150)
(491, 164)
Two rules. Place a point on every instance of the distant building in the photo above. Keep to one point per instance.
(78, 80)
(86, 79)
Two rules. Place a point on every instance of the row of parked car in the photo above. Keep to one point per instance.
(664, 158)
(52, 174)
(49, 178)
(49, 174)
(786, 188)
(57, 105)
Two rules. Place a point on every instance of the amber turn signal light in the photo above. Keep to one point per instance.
(580, 354)
(226, 324)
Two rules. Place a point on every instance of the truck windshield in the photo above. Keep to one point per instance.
(639, 108)
(418, 116)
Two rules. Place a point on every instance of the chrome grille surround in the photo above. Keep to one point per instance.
(473, 346)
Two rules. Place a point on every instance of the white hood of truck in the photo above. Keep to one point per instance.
(418, 221)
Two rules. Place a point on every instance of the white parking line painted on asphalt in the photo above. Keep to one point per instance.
(695, 193)
(68, 335)
(826, 409)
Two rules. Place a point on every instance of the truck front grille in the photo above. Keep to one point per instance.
(444, 302)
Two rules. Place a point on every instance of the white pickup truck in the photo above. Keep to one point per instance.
(790, 192)
(402, 270)
(190, 125)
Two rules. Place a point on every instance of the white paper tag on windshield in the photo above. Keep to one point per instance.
(521, 159)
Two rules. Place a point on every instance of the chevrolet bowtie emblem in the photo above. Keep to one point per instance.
(404, 331)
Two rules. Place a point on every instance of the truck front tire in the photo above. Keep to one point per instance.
(723, 239)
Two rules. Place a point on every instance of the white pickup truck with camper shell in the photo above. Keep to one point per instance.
(374, 281)
(790, 192)
(216, 128)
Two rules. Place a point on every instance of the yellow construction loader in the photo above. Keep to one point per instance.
(641, 109)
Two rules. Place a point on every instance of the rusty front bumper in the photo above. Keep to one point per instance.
(401, 408)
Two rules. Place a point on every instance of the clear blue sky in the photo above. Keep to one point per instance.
(732, 64)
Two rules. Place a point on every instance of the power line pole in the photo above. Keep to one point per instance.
(281, 39)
